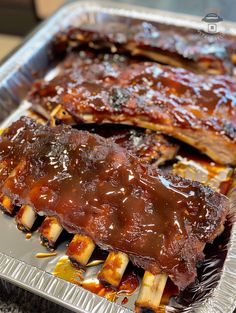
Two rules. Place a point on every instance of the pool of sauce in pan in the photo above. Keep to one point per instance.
(62, 271)
(41, 255)
(66, 271)
(129, 284)
(28, 235)
(130, 281)
(195, 166)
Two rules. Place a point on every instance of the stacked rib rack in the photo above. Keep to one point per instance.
(197, 109)
(102, 183)
(176, 46)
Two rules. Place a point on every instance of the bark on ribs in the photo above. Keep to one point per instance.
(176, 46)
(95, 187)
(23, 133)
(147, 145)
(196, 109)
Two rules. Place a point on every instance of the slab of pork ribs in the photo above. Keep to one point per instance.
(149, 146)
(95, 187)
(197, 109)
(176, 46)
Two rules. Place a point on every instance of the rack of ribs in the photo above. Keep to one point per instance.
(96, 188)
(176, 46)
(197, 109)
(148, 146)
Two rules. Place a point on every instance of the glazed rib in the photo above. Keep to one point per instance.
(50, 230)
(80, 250)
(95, 187)
(23, 132)
(148, 146)
(176, 46)
(197, 109)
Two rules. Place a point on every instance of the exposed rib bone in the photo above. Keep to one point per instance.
(80, 250)
(151, 292)
(50, 231)
(114, 268)
(25, 218)
(6, 204)
(94, 218)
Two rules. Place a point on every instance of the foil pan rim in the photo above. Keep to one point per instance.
(223, 297)
(126, 10)
(55, 289)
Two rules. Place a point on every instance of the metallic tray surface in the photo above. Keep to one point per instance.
(18, 263)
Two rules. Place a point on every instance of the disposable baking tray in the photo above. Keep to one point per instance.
(18, 263)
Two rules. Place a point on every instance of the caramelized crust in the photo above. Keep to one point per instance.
(95, 187)
(176, 46)
(23, 133)
(147, 145)
(197, 109)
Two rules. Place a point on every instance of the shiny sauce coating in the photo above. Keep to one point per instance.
(177, 46)
(95, 187)
(116, 84)
(147, 145)
(197, 109)
(22, 133)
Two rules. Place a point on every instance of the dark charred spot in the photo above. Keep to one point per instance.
(47, 243)
(147, 310)
(229, 130)
(118, 97)
(161, 105)
(155, 159)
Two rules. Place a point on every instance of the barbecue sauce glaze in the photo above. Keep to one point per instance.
(196, 109)
(95, 187)
(23, 133)
(111, 84)
(147, 145)
(128, 285)
(177, 46)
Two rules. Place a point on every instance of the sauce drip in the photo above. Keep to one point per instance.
(128, 284)
(177, 46)
(28, 235)
(135, 88)
(65, 270)
(125, 300)
(218, 177)
(45, 255)
(90, 184)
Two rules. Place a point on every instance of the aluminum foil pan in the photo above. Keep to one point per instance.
(213, 292)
